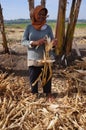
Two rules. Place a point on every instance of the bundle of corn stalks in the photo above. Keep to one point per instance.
(47, 61)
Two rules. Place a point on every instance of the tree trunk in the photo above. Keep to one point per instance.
(3, 32)
(71, 25)
(60, 26)
(43, 3)
(31, 4)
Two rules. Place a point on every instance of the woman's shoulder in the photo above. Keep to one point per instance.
(48, 26)
(29, 26)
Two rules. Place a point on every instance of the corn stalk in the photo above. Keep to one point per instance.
(2, 29)
(47, 64)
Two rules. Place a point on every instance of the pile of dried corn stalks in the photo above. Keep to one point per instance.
(23, 111)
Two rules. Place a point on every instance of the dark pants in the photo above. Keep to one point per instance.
(34, 73)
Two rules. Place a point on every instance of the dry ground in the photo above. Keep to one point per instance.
(20, 110)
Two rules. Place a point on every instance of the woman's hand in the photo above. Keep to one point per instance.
(41, 41)
(38, 42)
(54, 42)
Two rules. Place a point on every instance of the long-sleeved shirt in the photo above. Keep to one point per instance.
(31, 34)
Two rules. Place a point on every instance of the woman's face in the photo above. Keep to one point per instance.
(42, 15)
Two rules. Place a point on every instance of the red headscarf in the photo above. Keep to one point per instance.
(34, 17)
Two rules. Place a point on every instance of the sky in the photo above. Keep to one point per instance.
(16, 9)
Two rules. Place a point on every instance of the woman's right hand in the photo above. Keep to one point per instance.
(41, 41)
(38, 42)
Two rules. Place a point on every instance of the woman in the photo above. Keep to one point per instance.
(34, 39)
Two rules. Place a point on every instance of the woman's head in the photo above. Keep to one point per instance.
(38, 16)
(39, 12)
